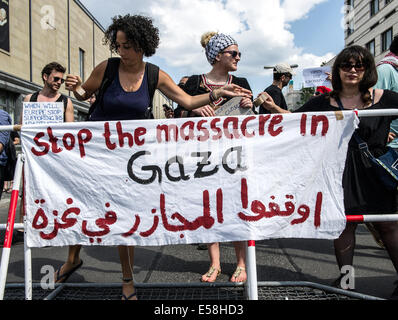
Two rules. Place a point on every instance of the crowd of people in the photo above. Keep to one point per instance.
(122, 89)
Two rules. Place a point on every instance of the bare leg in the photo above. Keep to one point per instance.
(126, 254)
(240, 272)
(389, 234)
(344, 246)
(72, 261)
(215, 266)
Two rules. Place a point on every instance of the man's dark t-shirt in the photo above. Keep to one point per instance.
(277, 95)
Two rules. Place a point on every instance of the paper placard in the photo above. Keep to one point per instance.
(42, 113)
(314, 77)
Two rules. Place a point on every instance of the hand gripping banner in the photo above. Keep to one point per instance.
(159, 182)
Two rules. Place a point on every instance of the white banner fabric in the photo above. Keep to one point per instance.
(192, 180)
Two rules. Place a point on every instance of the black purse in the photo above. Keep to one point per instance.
(386, 166)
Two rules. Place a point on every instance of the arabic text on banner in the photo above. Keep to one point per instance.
(159, 182)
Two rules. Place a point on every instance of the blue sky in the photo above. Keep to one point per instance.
(303, 32)
(328, 35)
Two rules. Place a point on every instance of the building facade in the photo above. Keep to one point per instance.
(36, 32)
(372, 24)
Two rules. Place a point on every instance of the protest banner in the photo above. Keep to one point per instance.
(42, 113)
(314, 77)
(159, 182)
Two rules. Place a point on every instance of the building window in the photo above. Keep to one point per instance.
(388, 1)
(371, 47)
(374, 7)
(81, 63)
(350, 27)
(350, 3)
(386, 39)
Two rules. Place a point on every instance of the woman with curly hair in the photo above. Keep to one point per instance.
(127, 95)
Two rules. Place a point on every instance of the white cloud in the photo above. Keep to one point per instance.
(296, 10)
(261, 28)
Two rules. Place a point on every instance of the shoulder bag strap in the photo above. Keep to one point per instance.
(153, 79)
(110, 73)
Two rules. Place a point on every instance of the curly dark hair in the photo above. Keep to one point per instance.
(359, 54)
(139, 30)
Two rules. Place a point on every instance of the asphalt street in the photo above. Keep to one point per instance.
(277, 260)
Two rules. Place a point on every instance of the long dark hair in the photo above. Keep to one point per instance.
(359, 54)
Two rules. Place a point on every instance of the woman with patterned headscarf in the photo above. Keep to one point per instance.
(223, 54)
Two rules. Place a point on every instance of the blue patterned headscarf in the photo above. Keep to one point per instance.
(217, 44)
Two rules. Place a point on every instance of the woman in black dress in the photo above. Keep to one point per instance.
(353, 76)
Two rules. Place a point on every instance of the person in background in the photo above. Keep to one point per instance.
(354, 76)
(5, 120)
(183, 81)
(129, 97)
(321, 90)
(387, 71)
(14, 136)
(282, 74)
(168, 111)
(52, 76)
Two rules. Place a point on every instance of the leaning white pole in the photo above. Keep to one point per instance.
(252, 289)
(5, 257)
(28, 266)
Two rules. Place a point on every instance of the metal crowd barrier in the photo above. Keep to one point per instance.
(251, 285)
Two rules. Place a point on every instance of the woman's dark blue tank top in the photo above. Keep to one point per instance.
(121, 105)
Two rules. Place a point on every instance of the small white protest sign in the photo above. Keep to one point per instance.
(314, 77)
(42, 113)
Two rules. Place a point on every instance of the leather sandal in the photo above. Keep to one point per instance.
(237, 273)
(210, 273)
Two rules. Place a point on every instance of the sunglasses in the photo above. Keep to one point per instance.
(347, 66)
(233, 53)
(56, 79)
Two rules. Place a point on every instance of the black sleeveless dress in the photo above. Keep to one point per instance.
(363, 193)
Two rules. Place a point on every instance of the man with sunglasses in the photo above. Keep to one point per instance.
(283, 73)
(53, 77)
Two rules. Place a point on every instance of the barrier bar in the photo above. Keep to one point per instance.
(5, 257)
(372, 218)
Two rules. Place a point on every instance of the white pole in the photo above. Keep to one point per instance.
(252, 290)
(5, 258)
(28, 266)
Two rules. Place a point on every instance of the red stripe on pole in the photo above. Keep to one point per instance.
(11, 218)
(355, 218)
(251, 243)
